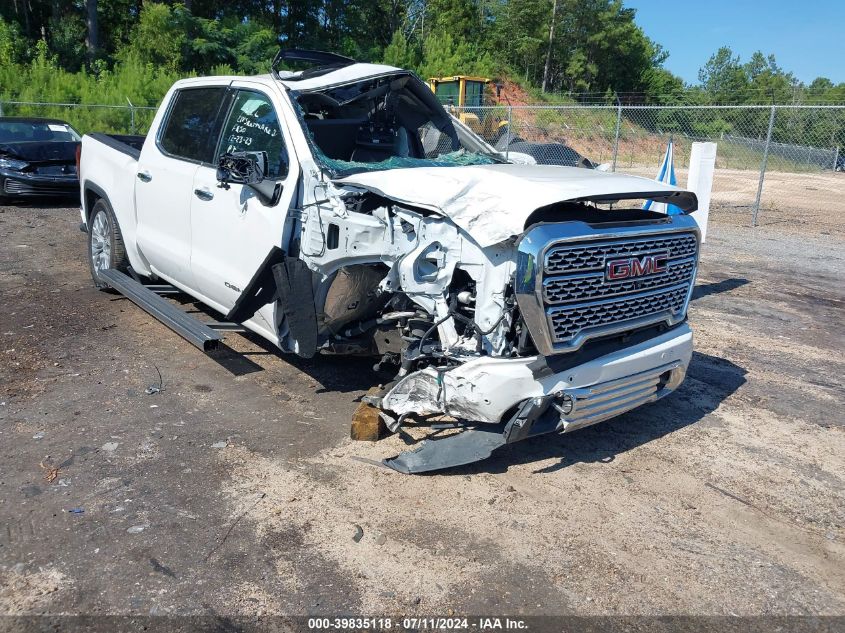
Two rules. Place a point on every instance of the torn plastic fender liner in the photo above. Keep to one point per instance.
(260, 290)
(462, 448)
(295, 293)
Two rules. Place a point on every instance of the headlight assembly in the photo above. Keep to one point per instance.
(11, 163)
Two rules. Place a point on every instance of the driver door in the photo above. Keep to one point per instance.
(232, 227)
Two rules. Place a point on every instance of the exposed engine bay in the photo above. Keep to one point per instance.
(417, 264)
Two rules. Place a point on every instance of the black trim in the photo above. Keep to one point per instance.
(35, 186)
(686, 201)
(94, 188)
(260, 290)
(116, 142)
(295, 293)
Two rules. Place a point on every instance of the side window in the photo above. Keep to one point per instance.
(190, 130)
(252, 126)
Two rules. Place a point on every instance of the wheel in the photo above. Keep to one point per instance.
(105, 243)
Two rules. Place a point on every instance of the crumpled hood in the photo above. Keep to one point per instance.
(492, 202)
(39, 151)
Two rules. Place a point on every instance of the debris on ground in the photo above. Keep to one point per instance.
(77, 511)
(155, 388)
(367, 424)
(359, 533)
(52, 472)
(221, 444)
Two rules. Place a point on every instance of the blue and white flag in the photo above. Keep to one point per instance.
(667, 176)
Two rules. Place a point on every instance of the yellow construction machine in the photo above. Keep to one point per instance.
(468, 98)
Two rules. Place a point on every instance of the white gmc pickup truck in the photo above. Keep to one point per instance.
(341, 209)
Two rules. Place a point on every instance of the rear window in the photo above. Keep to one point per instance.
(193, 124)
(36, 131)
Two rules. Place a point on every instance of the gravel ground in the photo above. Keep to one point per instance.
(810, 203)
(236, 491)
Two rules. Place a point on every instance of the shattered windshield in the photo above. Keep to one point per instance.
(341, 168)
(387, 122)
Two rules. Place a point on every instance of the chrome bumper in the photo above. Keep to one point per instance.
(486, 389)
(523, 398)
(607, 400)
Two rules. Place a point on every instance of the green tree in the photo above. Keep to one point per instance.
(444, 55)
(723, 78)
(400, 52)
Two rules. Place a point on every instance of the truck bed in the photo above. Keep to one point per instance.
(108, 169)
(129, 144)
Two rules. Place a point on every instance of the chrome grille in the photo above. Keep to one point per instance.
(13, 186)
(567, 322)
(580, 287)
(564, 292)
(583, 256)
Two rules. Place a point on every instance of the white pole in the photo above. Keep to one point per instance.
(702, 166)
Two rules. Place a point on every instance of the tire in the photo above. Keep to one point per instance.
(105, 243)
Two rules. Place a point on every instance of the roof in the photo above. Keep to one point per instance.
(345, 74)
(350, 73)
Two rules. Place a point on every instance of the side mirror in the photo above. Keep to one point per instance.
(250, 169)
(242, 168)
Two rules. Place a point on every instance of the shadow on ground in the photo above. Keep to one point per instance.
(341, 374)
(716, 287)
(59, 203)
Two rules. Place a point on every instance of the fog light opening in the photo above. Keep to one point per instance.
(671, 379)
(565, 405)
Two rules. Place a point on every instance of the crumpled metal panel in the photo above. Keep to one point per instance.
(492, 202)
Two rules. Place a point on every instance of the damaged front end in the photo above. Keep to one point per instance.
(481, 286)
(506, 341)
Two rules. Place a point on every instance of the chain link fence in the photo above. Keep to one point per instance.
(87, 117)
(774, 164)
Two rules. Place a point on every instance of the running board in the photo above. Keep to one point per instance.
(183, 324)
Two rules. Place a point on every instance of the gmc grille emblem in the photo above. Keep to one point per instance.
(616, 269)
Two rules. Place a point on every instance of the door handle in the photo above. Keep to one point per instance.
(203, 194)
(144, 176)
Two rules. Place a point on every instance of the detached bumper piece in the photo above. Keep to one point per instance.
(185, 325)
(463, 448)
(563, 411)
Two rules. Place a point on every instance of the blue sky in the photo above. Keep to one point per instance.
(806, 37)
